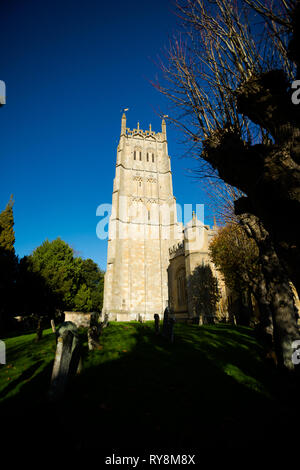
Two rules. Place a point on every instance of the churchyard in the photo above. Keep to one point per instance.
(212, 387)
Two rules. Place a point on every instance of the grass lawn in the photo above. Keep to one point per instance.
(211, 388)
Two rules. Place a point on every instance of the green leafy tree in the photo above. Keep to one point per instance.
(72, 281)
(34, 295)
(55, 263)
(93, 278)
(236, 255)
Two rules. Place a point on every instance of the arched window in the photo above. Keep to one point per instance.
(140, 155)
(153, 157)
(134, 155)
(147, 157)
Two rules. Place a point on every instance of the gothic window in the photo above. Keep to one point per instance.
(147, 157)
(153, 157)
(134, 155)
(140, 155)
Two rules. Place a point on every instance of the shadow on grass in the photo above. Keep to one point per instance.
(25, 376)
(210, 389)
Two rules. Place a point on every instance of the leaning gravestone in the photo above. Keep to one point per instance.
(67, 358)
(156, 323)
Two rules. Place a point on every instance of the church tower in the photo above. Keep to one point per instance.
(142, 227)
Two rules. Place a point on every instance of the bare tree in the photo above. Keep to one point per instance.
(228, 80)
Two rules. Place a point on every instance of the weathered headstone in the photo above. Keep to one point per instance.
(171, 328)
(94, 332)
(140, 318)
(165, 322)
(53, 325)
(105, 321)
(39, 330)
(66, 360)
(156, 323)
(93, 337)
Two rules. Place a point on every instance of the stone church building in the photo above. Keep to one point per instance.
(150, 254)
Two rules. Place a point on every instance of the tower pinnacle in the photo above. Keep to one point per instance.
(164, 128)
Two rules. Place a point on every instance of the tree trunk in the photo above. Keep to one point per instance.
(269, 173)
(39, 330)
(261, 297)
(279, 293)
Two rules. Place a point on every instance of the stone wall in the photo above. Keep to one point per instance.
(79, 318)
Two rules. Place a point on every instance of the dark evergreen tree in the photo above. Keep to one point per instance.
(7, 234)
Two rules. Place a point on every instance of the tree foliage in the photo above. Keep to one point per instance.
(236, 256)
(62, 281)
(83, 299)
(35, 296)
(7, 234)
(203, 291)
(93, 278)
(229, 78)
(55, 263)
(8, 264)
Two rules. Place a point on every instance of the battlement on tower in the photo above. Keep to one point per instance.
(144, 134)
(140, 132)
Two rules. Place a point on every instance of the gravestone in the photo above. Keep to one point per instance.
(93, 337)
(2, 352)
(67, 358)
(171, 328)
(141, 318)
(165, 322)
(94, 332)
(104, 324)
(53, 325)
(156, 323)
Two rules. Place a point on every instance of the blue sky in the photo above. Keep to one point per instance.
(69, 68)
